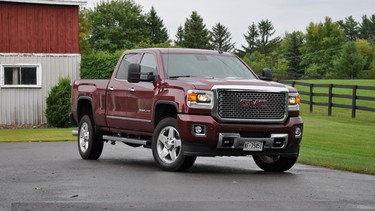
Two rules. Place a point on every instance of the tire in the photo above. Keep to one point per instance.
(90, 142)
(167, 147)
(275, 163)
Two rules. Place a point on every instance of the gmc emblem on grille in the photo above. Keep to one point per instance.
(253, 103)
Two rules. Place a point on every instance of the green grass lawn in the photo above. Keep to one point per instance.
(36, 135)
(339, 143)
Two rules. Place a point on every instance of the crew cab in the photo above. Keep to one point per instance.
(184, 103)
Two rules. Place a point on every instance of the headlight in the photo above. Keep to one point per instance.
(200, 99)
(294, 101)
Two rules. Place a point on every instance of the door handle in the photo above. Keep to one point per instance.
(131, 89)
(111, 88)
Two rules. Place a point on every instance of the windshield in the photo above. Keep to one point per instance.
(205, 66)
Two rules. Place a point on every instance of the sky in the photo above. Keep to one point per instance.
(238, 15)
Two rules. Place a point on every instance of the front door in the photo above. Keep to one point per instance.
(118, 94)
(140, 101)
(129, 105)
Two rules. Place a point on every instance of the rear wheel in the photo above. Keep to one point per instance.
(90, 142)
(274, 163)
(167, 147)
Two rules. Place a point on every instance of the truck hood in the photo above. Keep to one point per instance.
(209, 84)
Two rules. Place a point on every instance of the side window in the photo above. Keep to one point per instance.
(122, 73)
(148, 64)
(20, 75)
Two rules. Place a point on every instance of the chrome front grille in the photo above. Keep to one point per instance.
(251, 106)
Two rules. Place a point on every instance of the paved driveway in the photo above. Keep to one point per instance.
(52, 176)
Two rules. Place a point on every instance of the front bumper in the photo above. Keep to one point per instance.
(227, 139)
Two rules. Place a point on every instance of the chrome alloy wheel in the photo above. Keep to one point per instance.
(84, 136)
(169, 144)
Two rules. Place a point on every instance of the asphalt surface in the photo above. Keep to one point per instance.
(52, 176)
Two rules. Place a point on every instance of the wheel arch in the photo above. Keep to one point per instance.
(84, 107)
(164, 109)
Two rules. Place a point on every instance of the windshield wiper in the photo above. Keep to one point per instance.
(180, 76)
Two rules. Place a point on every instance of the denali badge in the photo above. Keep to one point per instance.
(253, 103)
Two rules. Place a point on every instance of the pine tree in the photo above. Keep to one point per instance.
(264, 43)
(251, 37)
(221, 38)
(157, 30)
(195, 33)
(179, 36)
(258, 38)
(367, 30)
(293, 54)
(350, 28)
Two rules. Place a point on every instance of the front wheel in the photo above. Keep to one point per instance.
(90, 142)
(274, 163)
(167, 147)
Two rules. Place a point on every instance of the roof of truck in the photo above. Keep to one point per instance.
(183, 50)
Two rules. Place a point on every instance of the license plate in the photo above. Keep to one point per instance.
(253, 146)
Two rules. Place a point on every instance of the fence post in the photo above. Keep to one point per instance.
(354, 101)
(293, 83)
(311, 97)
(330, 96)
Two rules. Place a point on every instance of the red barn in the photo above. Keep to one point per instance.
(39, 43)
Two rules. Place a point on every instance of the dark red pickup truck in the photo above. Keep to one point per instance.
(184, 103)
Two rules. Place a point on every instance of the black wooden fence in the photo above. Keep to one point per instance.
(354, 96)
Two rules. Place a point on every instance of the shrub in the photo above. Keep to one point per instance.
(58, 104)
(99, 64)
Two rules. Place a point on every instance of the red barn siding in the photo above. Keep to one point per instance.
(38, 28)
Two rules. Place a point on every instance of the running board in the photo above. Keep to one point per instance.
(125, 140)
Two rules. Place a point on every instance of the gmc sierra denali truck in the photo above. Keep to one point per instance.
(184, 103)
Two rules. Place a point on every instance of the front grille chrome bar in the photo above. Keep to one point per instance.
(252, 105)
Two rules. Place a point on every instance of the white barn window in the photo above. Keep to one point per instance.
(22, 76)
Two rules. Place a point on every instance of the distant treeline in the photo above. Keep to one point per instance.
(342, 49)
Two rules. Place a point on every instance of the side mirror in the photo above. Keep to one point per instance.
(149, 76)
(134, 73)
(266, 74)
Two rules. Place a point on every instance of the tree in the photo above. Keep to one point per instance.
(117, 25)
(292, 52)
(257, 61)
(157, 30)
(367, 30)
(84, 30)
(258, 38)
(264, 43)
(195, 34)
(179, 36)
(349, 63)
(221, 38)
(251, 37)
(323, 41)
(350, 28)
(367, 51)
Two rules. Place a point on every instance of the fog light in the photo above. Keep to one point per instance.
(199, 130)
(298, 131)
